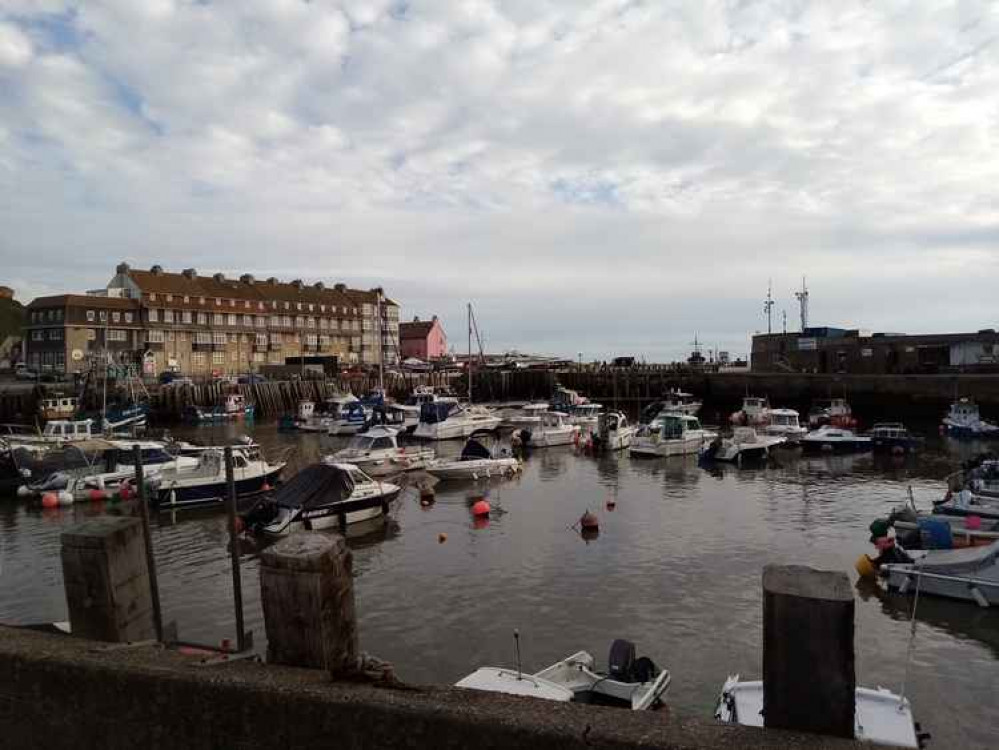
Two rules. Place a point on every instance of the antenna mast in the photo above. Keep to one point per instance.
(769, 304)
(802, 297)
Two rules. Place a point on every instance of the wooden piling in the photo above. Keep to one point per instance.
(808, 656)
(307, 593)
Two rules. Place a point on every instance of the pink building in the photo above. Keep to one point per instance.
(423, 339)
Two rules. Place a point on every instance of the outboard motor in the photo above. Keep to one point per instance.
(621, 660)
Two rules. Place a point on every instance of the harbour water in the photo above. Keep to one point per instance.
(676, 568)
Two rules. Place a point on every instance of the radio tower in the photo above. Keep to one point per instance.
(802, 297)
(769, 304)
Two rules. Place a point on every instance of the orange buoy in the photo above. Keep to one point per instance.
(441, 538)
(589, 521)
(96, 494)
(481, 508)
(50, 500)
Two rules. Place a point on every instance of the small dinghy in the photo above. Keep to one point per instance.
(880, 717)
(321, 496)
(969, 574)
(744, 445)
(632, 683)
(479, 458)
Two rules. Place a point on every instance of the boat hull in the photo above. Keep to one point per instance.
(338, 515)
(214, 492)
(664, 448)
(981, 589)
(454, 429)
(484, 469)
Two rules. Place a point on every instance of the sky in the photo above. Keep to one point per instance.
(598, 178)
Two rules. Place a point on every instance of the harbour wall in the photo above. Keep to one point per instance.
(59, 692)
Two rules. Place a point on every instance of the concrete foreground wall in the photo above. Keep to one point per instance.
(59, 692)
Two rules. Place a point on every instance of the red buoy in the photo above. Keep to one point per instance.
(125, 491)
(481, 508)
(96, 494)
(50, 500)
(589, 521)
(266, 488)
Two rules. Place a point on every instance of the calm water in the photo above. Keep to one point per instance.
(676, 568)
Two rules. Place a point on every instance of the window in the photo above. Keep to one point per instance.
(286, 321)
(37, 335)
(219, 339)
(232, 303)
(154, 337)
(181, 336)
(58, 315)
(116, 317)
(202, 319)
(247, 320)
(198, 358)
(300, 321)
(261, 321)
(244, 338)
(169, 336)
(152, 296)
(218, 301)
(128, 317)
(246, 305)
(322, 308)
(91, 334)
(298, 305)
(260, 305)
(323, 324)
(218, 319)
(261, 339)
(55, 334)
(312, 307)
(334, 324)
(231, 319)
(104, 316)
(233, 357)
(275, 338)
(90, 316)
(218, 358)
(186, 316)
(201, 300)
(202, 337)
(324, 341)
(115, 334)
(259, 357)
(169, 298)
(312, 340)
(168, 316)
(287, 305)
(186, 299)
(233, 338)
(154, 315)
(60, 359)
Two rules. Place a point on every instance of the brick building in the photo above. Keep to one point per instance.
(199, 324)
(423, 339)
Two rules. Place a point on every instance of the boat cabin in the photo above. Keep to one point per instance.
(964, 411)
(553, 420)
(589, 411)
(676, 397)
(437, 411)
(833, 407)
(675, 426)
(306, 409)
(890, 430)
(235, 403)
(784, 418)
(64, 429)
(752, 406)
(376, 439)
(611, 422)
(58, 407)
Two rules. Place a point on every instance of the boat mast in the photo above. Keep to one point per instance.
(381, 347)
(768, 305)
(469, 353)
(802, 297)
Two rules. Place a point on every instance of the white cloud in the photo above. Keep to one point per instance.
(597, 175)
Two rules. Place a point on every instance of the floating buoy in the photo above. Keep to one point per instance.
(441, 538)
(124, 492)
(426, 497)
(23, 491)
(480, 522)
(481, 508)
(973, 523)
(50, 500)
(865, 567)
(95, 494)
(611, 504)
(65, 497)
(589, 521)
(589, 534)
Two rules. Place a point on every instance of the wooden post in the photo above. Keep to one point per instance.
(106, 580)
(237, 580)
(147, 540)
(808, 658)
(307, 594)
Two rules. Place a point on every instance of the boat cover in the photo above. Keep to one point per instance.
(436, 411)
(314, 486)
(959, 561)
(474, 450)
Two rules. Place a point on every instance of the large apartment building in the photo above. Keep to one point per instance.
(199, 325)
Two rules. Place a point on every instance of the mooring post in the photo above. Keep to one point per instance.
(106, 579)
(147, 540)
(237, 578)
(307, 594)
(808, 658)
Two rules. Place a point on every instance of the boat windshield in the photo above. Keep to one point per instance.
(474, 450)
(361, 443)
(672, 427)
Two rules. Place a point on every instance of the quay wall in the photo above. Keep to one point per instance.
(68, 693)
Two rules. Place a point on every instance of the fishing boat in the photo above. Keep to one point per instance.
(479, 458)
(755, 412)
(785, 423)
(57, 407)
(680, 401)
(526, 417)
(56, 432)
(829, 439)
(983, 478)
(671, 435)
(446, 421)
(377, 452)
(832, 411)
(893, 437)
(233, 406)
(969, 574)
(636, 684)
(613, 432)
(322, 496)
(120, 418)
(204, 484)
(881, 716)
(964, 421)
(744, 445)
(553, 429)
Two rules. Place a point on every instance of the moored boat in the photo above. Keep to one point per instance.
(964, 421)
(479, 459)
(969, 574)
(829, 439)
(745, 444)
(613, 432)
(444, 420)
(553, 429)
(785, 423)
(832, 411)
(377, 452)
(526, 417)
(893, 437)
(670, 435)
(205, 483)
(755, 412)
(57, 407)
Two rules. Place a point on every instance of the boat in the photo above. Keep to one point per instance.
(832, 411)
(880, 717)
(349, 419)
(58, 407)
(204, 484)
(233, 406)
(526, 417)
(785, 423)
(893, 437)
(755, 412)
(829, 439)
(553, 429)
(410, 408)
(967, 503)
(922, 530)
(56, 432)
(670, 435)
(125, 417)
(613, 432)
(565, 399)
(478, 459)
(969, 574)
(321, 496)
(964, 421)
(442, 420)
(586, 416)
(744, 445)
(637, 684)
(377, 452)
(983, 478)
(676, 400)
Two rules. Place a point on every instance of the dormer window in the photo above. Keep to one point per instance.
(218, 301)
(152, 296)
(201, 300)
(186, 299)
(232, 303)
(169, 298)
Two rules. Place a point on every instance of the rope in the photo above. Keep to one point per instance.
(912, 640)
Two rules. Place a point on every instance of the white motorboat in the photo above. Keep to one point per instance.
(755, 412)
(785, 423)
(378, 453)
(969, 574)
(829, 439)
(586, 416)
(205, 482)
(680, 401)
(744, 445)
(444, 420)
(527, 417)
(964, 421)
(319, 418)
(321, 496)
(478, 460)
(671, 435)
(880, 716)
(613, 432)
(632, 683)
(553, 429)
(410, 408)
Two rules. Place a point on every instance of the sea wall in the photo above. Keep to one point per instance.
(58, 693)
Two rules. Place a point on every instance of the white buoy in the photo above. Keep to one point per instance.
(23, 491)
(65, 497)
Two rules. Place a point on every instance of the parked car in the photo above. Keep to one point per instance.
(251, 379)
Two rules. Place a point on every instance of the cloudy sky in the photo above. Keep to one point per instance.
(600, 177)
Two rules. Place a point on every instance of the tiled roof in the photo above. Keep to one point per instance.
(416, 330)
(84, 300)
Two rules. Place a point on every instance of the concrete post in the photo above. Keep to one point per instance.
(808, 658)
(107, 580)
(307, 593)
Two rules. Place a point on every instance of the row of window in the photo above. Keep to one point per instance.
(254, 321)
(45, 316)
(391, 311)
